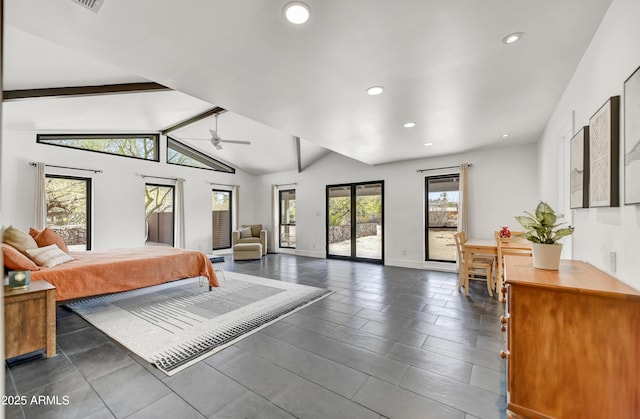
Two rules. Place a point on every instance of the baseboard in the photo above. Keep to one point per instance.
(307, 253)
(403, 263)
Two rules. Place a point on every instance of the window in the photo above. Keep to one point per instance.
(159, 215)
(287, 217)
(68, 201)
(442, 195)
(138, 146)
(221, 219)
(183, 155)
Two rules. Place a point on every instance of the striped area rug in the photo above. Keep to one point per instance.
(177, 324)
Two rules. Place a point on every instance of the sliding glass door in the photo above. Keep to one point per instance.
(159, 215)
(355, 221)
(442, 195)
(287, 218)
(221, 219)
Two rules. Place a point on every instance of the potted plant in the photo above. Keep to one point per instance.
(544, 233)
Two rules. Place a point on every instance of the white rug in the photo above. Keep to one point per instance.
(177, 324)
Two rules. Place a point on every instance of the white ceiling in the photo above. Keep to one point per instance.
(442, 64)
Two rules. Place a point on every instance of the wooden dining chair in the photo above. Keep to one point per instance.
(516, 245)
(477, 267)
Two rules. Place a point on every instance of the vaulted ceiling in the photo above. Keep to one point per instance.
(443, 66)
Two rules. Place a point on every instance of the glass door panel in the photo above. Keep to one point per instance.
(443, 199)
(221, 219)
(287, 218)
(369, 221)
(159, 215)
(339, 225)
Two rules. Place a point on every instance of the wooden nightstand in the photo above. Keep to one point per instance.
(30, 319)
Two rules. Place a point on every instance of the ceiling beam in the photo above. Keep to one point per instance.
(298, 155)
(213, 111)
(106, 89)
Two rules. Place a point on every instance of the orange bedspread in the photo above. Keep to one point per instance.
(107, 271)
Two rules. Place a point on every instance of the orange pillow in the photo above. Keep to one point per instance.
(46, 237)
(14, 260)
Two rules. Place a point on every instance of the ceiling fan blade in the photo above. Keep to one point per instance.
(236, 142)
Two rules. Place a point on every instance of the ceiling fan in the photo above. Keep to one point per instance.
(216, 140)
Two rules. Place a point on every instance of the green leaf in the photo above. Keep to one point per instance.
(529, 236)
(548, 219)
(527, 222)
(563, 232)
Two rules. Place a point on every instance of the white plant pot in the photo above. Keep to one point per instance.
(546, 256)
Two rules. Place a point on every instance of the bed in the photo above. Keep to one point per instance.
(116, 270)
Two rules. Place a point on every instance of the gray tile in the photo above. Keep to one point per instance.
(468, 398)
(431, 361)
(382, 317)
(129, 389)
(259, 375)
(80, 340)
(487, 379)
(361, 339)
(70, 323)
(250, 405)
(170, 406)
(487, 359)
(41, 372)
(388, 331)
(394, 402)
(332, 375)
(220, 358)
(101, 360)
(204, 388)
(67, 399)
(308, 400)
(367, 362)
(310, 323)
(335, 317)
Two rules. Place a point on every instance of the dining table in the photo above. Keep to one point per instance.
(489, 247)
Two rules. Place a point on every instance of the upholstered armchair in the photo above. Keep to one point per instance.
(252, 233)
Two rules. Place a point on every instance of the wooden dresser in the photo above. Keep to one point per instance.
(573, 342)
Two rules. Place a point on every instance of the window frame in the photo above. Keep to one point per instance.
(230, 219)
(173, 207)
(427, 226)
(210, 160)
(280, 223)
(89, 198)
(42, 139)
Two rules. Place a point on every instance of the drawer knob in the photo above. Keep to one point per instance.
(503, 319)
(503, 327)
(504, 354)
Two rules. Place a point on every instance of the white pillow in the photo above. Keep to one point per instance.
(245, 232)
(48, 256)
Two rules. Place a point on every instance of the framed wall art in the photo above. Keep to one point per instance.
(604, 149)
(632, 138)
(579, 164)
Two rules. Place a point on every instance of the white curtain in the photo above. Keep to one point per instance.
(235, 207)
(41, 204)
(274, 218)
(463, 217)
(179, 208)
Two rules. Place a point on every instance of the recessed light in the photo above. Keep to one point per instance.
(505, 135)
(428, 144)
(297, 12)
(375, 90)
(512, 38)
(409, 124)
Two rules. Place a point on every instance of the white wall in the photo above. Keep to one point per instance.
(503, 183)
(610, 58)
(118, 206)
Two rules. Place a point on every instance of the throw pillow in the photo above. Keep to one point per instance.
(19, 239)
(245, 232)
(47, 237)
(16, 261)
(48, 256)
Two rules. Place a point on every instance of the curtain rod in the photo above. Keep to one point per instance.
(67, 167)
(160, 177)
(222, 184)
(441, 168)
(287, 184)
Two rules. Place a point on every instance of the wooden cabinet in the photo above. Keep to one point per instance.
(573, 342)
(30, 319)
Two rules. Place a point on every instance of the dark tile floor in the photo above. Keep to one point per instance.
(391, 342)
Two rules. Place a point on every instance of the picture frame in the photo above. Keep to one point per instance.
(632, 138)
(579, 169)
(604, 150)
